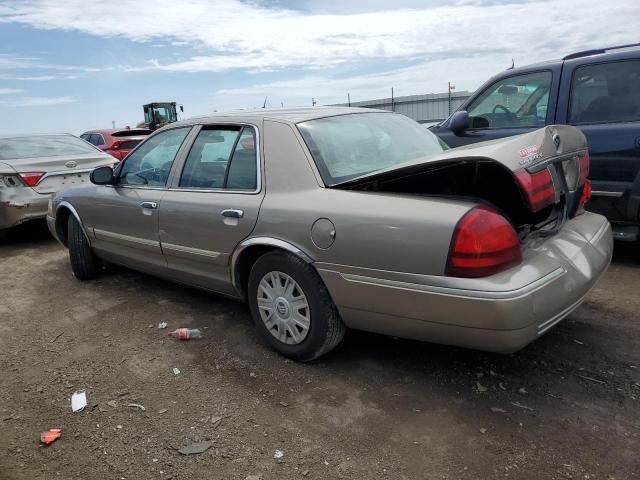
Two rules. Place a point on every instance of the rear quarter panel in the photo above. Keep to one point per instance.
(372, 230)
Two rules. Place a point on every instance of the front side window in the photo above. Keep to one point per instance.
(150, 164)
(221, 157)
(348, 146)
(515, 102)
(605, 93)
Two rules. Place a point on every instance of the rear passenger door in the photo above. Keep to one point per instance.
(212, 205)
(603, 100)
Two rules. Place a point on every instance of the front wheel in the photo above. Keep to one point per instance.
(292, 308)
(84, 263)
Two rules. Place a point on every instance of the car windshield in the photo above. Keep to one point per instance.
(349, 146)
(43, 146)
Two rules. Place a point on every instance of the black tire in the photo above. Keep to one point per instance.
(84, 263)
(326, 328)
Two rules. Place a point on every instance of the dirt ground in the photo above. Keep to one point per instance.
(567, 406)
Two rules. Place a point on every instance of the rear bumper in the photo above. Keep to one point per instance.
(501, 313)
(19, 205)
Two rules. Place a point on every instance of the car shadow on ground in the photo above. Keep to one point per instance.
(29, 234)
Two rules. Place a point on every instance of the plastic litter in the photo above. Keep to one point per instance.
(78, 401)
(175, 371)
(136, 405)
(50, 436)
(185, 333)
(162, 325)
(278, 455)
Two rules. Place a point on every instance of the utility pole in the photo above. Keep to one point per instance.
(450, 89)
(393, 105)
(313, 102)
(349, 98)
(113, 124)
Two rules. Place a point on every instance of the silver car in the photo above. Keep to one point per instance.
(33, 167)
(328, 218)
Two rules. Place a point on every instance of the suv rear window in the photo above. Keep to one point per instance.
(128, 144)
(606, 93)
(131, 132)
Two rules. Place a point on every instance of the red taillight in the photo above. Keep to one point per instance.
(538, 188)
(31, 178)
(584, 161)
(484, 243)
(585, 197)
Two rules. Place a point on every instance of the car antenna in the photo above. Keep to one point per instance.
(512, 65)
(264, 105)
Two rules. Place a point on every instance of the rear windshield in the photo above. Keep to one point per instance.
(348, 146)
(131, 133)
(128, 144)
(43, 146)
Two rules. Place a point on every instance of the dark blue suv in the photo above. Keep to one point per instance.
(597, 91)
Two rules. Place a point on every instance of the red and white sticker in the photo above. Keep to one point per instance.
(529, 151)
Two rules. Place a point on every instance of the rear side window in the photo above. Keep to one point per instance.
(221, 157)
(606, 93)
(514, 102)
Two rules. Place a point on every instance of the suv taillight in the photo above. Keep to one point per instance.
(584, 198)
(538, 188)
(484, 243)
(584, 161)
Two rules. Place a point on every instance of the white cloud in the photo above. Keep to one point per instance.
(23, 62)
(37, 101)
(247, 35)
(9, 91)
(30, 78)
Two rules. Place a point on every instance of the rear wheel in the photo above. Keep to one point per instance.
(84, 263)
(292, 308)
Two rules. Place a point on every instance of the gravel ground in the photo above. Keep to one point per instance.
(567, 406)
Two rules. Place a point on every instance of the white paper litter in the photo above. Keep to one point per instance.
(279, 454)
(162, 325)
(78, 401)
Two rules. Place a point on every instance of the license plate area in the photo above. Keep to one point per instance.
(55, 183)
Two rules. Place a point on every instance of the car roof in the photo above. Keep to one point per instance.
(609, 52)
(290, 115)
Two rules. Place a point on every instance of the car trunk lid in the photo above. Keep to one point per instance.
(536, 179)
(51, 174)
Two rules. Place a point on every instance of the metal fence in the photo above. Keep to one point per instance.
(431, 107)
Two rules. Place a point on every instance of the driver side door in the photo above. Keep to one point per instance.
(125, 215)
(509, 106)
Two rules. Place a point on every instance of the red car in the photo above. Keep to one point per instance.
(116, 142)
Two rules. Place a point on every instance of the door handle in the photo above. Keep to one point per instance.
(152, 205)
(232, 213)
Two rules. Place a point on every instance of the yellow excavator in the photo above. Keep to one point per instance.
(159, 114)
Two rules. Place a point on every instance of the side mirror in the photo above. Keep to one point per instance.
(102, 176)
(459, 121)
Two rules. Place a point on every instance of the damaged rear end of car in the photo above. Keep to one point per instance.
(524, 188)
(512, 251)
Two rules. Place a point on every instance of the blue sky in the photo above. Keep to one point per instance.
(75, 65)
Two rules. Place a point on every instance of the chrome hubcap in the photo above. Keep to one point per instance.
(283, 308)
